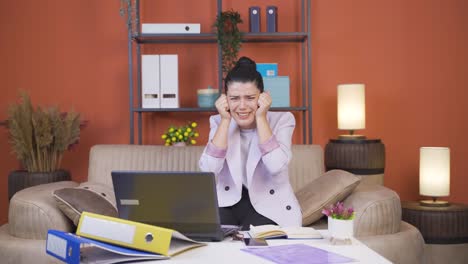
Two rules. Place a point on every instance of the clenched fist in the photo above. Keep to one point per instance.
(223, 107)
(264, 104)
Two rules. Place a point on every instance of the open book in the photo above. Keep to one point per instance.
(274, 231)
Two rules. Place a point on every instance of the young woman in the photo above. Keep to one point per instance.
(249, 149)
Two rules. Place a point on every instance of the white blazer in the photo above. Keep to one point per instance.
(270, 191)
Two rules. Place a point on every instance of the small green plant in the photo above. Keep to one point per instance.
(229, 38)
(39, 137)
(186, 134)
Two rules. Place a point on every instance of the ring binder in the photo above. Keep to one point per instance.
(272, 19)
(134, 235)
(254, 19)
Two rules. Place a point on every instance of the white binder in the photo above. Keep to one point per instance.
(169, 81)
(150, 80)
(165, 28)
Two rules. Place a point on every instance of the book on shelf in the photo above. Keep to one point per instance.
(74, 249)
(275, 231)
(134, 235)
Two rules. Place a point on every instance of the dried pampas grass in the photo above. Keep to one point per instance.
(39, 137)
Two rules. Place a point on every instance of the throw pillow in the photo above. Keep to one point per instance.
(333, 186)
(91, 197)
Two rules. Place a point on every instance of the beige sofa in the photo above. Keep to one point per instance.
(33, 211)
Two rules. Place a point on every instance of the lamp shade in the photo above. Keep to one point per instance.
(434, 171)
(351, 106)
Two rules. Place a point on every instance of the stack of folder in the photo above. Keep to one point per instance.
(104, 239)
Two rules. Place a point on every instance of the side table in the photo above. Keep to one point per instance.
(445, 230)
(363, 157)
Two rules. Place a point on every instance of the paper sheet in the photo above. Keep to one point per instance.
(297, 253)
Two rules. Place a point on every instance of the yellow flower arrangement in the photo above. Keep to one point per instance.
(185, 134)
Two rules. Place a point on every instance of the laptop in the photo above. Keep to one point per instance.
(183, 201)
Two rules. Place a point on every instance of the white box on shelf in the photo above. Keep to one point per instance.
(167, 28)
(278, 86)
(150, 97)
(169, 81)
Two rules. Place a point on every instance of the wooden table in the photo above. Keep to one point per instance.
(438, 225)
(363, 157)
(445, 230)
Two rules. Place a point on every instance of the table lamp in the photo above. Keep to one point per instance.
(434, 175)
(351, 109)
(355, 153)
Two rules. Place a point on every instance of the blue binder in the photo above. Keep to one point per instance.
(254, 19)
(74, 249)
(272, 18)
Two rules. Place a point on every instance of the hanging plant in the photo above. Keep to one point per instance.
(229, 38)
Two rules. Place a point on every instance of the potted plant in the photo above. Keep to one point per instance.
(39, 137)
(340, 222)
(229, 38)
(181, 136)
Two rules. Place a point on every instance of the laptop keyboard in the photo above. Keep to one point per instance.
(229, 229)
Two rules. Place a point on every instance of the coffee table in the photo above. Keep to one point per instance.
(229, 251)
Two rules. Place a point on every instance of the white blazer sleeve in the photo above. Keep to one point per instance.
(276, 152)
(213, 157)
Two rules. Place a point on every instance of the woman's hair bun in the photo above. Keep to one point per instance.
(244, 71)
(245, 62)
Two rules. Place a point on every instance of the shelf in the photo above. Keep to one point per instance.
(136, 41)
(275, 37)
(184, 109)
(198, 109)
(211, 37)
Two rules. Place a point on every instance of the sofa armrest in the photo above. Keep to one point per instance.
(33, 211)
(405, 246)
(378, 210)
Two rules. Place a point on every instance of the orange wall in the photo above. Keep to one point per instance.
(411, 55)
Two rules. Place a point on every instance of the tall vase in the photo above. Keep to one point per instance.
(340, 230)
(18, 180)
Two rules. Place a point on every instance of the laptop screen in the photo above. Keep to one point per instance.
(183, 201)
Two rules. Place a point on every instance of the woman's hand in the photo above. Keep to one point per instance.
(223, 107)
(264, 104)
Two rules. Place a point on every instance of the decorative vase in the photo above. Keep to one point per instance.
(207, 97)
(179, 144)
(20, 179)
(340, 230)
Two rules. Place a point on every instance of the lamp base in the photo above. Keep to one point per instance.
(351, 137)
(434, 203)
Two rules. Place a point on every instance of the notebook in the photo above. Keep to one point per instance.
(183, 201)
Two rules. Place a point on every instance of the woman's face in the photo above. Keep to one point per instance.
(243, 103)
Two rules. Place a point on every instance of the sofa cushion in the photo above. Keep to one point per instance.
(33, 211)
(103, 159)
(331, 187)
(91, 197)
(306, 165)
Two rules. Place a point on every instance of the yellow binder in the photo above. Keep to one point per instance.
(135, 235)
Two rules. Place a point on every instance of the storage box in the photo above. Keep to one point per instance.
(167, 28)
(279, 90)
(267, 69)
(207, 97)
